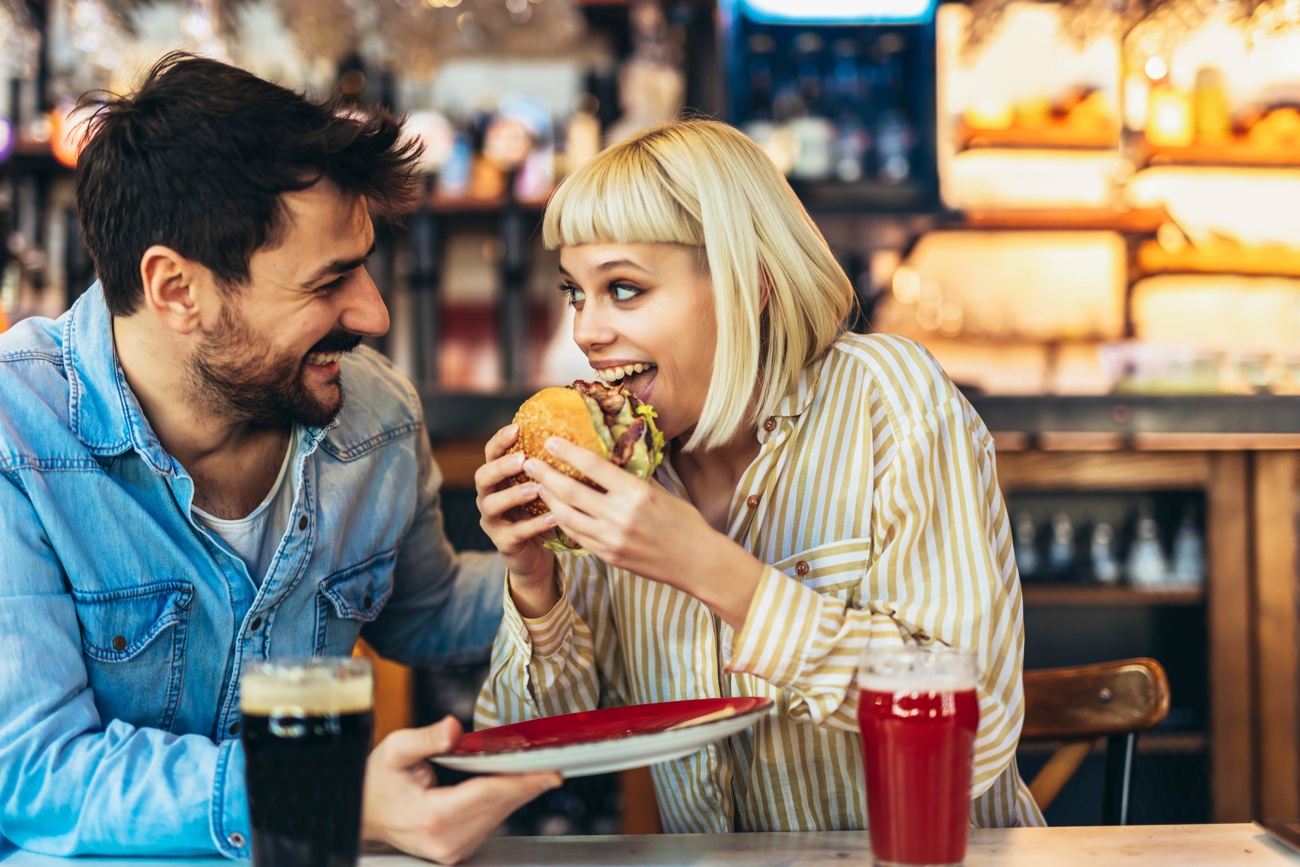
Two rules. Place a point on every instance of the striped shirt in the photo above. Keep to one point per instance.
(874, 500)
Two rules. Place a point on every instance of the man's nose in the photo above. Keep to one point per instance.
(365, 313)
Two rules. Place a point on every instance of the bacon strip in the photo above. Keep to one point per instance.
(623, 448)
(611, 400)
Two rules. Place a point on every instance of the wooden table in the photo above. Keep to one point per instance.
(1149, 846)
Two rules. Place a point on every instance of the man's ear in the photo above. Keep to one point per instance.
(171, 292)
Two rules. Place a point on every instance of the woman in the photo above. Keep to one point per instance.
(823, 491)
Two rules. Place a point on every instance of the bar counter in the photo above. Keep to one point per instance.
(455, 415)
(1149, 846)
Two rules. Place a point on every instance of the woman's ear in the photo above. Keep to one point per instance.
(170, 292)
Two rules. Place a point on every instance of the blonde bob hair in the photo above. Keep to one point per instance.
(704, 184)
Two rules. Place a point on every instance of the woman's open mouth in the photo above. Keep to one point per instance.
(634, 378)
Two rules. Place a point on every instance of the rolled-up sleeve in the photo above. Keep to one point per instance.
(565, 661)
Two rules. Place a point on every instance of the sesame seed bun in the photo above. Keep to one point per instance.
(559, 411)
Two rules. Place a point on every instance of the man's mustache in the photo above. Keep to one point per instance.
(337, 341)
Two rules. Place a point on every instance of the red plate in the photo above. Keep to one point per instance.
(599, 741)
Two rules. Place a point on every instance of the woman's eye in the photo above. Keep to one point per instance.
(622, 292)
(572, 294)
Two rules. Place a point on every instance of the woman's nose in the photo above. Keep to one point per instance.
(591, 329)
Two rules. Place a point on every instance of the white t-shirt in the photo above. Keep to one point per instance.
(256, 537)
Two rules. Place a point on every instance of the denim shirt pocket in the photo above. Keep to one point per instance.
(133, 645)
(349, 599)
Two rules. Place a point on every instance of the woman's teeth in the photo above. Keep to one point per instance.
(324, 357)
(615, 374)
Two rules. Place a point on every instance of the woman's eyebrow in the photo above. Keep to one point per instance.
(610, 266)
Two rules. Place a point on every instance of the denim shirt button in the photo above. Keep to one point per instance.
(302, 523)
(236, 839)
(234, 728)
(255, 625)
(119, 643)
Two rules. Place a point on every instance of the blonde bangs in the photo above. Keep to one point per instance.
(619, 198)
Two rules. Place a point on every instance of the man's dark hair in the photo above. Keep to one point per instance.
(197, 159)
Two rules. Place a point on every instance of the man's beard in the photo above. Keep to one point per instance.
(234, 375)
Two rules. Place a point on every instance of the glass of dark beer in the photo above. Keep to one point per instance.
(307, 726)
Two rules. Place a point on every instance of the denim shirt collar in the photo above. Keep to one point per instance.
(104, 412)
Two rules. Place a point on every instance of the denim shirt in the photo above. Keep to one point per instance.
(124, 624)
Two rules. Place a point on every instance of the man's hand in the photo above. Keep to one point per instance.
(405, 807)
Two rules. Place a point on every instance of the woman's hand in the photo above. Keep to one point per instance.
(512, 530)
(638, 526)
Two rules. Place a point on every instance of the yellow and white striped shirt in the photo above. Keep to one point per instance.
(874, 499)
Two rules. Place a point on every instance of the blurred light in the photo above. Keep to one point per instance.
(839, 11)
(907, 285)
(7, 138)
(1156, 69)
(66, 134)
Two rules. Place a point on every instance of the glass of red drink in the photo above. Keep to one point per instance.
(918, 714)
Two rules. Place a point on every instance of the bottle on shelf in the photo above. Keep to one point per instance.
(1022, 535)
(1146, 564)
(1101, 554)
(1188, 562)
(1060, 552)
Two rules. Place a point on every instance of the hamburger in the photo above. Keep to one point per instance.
(604, 419)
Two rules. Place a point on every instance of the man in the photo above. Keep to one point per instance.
(184, 488)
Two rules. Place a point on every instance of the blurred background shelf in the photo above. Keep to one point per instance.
(1098, 596)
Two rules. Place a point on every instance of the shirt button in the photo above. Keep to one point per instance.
(801, 568)
(119, 643)
(365, 602)
(234, 728)
(752, 501)
(256, 624)
(770, 424)
(302, 523)
(236, 839)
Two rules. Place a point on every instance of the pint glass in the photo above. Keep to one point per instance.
(307, 726)
(918, 715)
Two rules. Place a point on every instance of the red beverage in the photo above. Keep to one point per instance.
(918, 745)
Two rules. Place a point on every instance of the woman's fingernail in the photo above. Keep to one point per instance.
(552, 444)
(518, 460)
(550, 519)
(530, 467)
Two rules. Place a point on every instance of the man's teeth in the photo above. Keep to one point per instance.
(324, 357)
(614, 374)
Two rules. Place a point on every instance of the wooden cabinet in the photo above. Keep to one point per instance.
(1250, 598)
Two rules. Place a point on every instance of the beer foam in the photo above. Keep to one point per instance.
(304, 692)
(907, 681)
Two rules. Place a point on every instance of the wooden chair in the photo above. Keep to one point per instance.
(1078, 705)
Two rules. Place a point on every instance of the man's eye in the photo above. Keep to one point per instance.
(332, 285)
